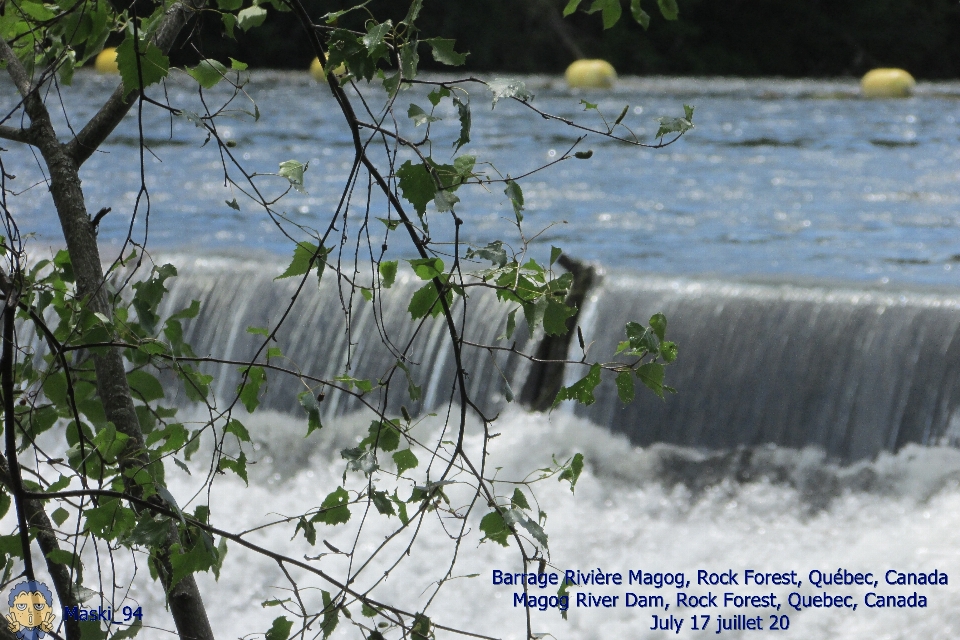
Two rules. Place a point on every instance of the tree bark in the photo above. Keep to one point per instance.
(184, 599)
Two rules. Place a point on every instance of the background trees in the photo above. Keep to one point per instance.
(85, 345)
(748, 37)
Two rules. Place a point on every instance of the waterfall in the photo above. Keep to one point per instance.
(852, 371)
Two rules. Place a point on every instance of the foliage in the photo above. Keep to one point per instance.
(119, 428)
(842, 38)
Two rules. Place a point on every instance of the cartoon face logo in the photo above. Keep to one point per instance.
(31, 610)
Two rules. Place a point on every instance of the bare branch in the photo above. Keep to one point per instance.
(102, 124)
(16, 134)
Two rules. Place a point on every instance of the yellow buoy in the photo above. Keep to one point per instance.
(591, 74)
(316, 70)
(887, 83)
(106, 61)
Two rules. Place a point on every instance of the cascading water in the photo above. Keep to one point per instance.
(317, 337)
(851, 371)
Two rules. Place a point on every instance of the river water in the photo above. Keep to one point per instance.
(804, 243)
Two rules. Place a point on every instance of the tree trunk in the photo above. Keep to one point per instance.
(184, 599)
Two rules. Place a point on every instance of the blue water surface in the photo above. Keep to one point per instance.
(784, 179)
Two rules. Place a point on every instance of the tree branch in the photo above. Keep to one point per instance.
(184, 598)
(47, 541)
(102, 124)
(16, 134)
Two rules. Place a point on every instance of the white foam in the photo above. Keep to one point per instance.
(633, 509)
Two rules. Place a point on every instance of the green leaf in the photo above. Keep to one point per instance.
(148, 533)
(405, 459)
(668, 351)
(229, 25)
(511, 324)
(463, 166)
(238, 466)
(445, 200)
(676, 125)
(144, 386)
(61, 556)
(409, 60)
(381, 500)
(641, 16)
(438, 94)
(412, 389)
(651, 374)
(388, 273)
(390, 224)
(401, 508)
(555, 317)
(36, 11)
(416, 185)
(443, 52)
(427, 268)
(334, 509)
(669, 9)
(507, 88)
(571, 473)
(414, 12)
(128, 632)
(153, 65)
(519, 501)
(236, 428)
(382, 435)
(555, 254)
(11, 546)
(312, 407)
(582, 390)
(90, 630)
(533, 528)
(420, 630)
(625, 387)
(60, 515)
(515, 193)
(361, 385)
(293, 170)
(236, 65)
(374, 40)
(494, 528)
(280, 629)
(249, 390)
(208, 73)
(190, 312)
(571, 7)
(494, 252)
(611, 11)
(331, 616)
(658, 322)
(463, 113)
(303, 254)
(229, 5)
(251, 17)
(309, 531)
(195, 384)
(109, 520)
(359, 459)
(426, 301)
(419, 116)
